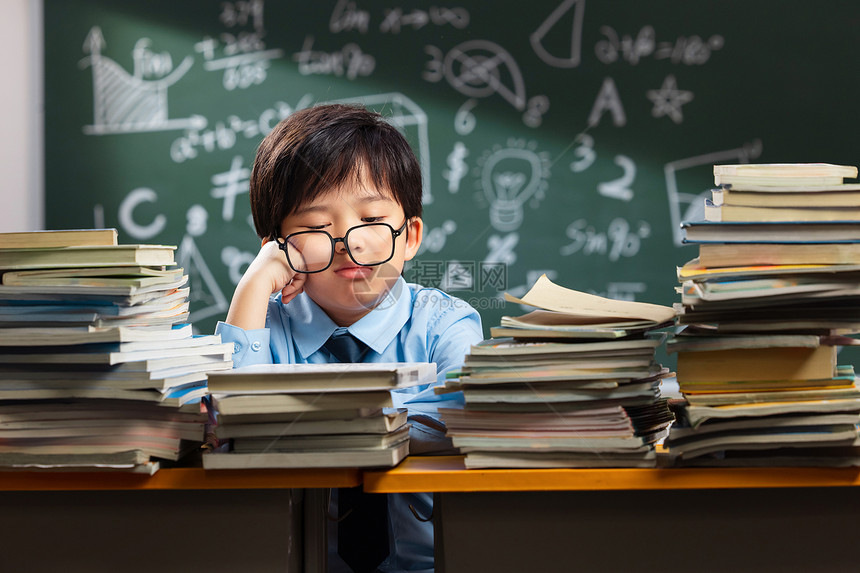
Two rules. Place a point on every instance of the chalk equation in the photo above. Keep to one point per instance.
(687, 50)
(347, 16)
(619, 239)
(240, 51)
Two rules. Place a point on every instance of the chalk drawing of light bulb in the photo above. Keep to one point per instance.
(510, 177)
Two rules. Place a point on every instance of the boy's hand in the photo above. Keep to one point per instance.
(268, 273)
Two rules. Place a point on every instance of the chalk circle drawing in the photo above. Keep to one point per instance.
(130, 103)
(409, 118)
(435, 239)
(669, 99)
(205, 297)
(569, 9)
(478, 68)
(509, 177)
(690, 206)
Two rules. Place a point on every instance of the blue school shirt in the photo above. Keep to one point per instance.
(411, 324)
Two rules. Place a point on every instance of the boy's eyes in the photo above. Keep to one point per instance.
(325, 226)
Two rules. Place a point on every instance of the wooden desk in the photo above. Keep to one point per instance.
(182, 519)
(720, 519)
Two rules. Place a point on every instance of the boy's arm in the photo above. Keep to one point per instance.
(268, 273)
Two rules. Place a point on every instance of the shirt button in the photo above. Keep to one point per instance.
(236, 347)
(256, 346)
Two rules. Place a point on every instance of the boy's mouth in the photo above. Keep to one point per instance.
(351, 271)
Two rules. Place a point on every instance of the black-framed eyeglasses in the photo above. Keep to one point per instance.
(367, 245)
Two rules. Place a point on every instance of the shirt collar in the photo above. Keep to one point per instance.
(311, 327)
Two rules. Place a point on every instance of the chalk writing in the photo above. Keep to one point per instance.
(236, 262)
(436, 238)
(620, 188)
(396, 19)
(346, 17)
(535, 110)
(126, 103)
(225, 133)
(607, 100)
(229, 184)
(126, 215)
(573, 9)
(350, 62)
(244, 59)
(683, 50)
(584, 153)
(457, 168)
(618, 240)
(464, 119)
(501, 249)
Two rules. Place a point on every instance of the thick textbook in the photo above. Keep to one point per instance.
(61, 336)
(785, 199)
(59, 238)
(87, 256)
(741, 213)
(378, 423)
(786, 170)
(735, 255)
(323, 377)
(771, 232)
(752, 364)
(275, 403)
(323, 442)
(352, 458)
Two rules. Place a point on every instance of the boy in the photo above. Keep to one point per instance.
(336, 199)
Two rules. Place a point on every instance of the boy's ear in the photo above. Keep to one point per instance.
(415, 232)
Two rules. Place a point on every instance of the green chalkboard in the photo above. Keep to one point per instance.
(567, 136)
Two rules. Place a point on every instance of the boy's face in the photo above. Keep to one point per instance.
(345, 290)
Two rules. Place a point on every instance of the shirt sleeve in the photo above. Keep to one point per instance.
(249, 346)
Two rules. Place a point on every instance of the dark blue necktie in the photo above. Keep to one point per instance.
(345, 347)
(362, 529)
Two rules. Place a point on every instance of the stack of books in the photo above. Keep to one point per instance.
(312, 415)
(573, 383)
(773, 294)
(98, 367)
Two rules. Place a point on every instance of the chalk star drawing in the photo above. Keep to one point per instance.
(669, 99)
(126, 103)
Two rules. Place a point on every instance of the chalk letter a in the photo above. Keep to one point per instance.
(607, 99)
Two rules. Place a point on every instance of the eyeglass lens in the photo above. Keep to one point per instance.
(371, 244)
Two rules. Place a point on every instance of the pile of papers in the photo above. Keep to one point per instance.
(312, 415)
(773, 294)
(574, 384)
(98, 366)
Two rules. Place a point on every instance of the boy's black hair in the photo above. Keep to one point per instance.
(322, 147)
